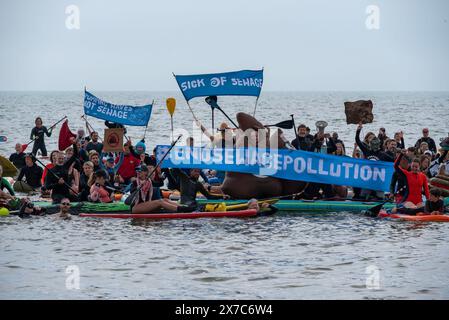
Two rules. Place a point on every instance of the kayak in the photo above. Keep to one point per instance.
(177, 215)
(317, 206)
(421, 218)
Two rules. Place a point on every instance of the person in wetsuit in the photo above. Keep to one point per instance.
(190, 185)
(416, 184)
(37, 134)
(435, 205)
(425, 138)
(57, 178)
(18, 157)
(32, 172)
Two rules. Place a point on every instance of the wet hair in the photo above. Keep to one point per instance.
(38, 118)
(435, 192)
(302, 126)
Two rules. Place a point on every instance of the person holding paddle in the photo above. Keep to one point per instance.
(37, 134)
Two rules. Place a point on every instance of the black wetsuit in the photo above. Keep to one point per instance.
(39, 143)
(33, 175)
(60, 191)
(399, 185)
(434, 206)
(84, 189)
(189, 188)
(367, 152)
(18, 159)
(430, 142)
(98, 146)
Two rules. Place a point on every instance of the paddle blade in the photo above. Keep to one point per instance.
(24, 147)
(171, 105)
(3, 139)
(212, 101)
(374, 211)
(287, 124)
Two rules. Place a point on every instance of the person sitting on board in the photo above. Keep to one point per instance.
(127, 170)
(18, 157)
(263, 209)
(57, 179)
(190, 186)
(85, 176)
(32, 172)
(334, 141)
(434, 205)
(425, 138)
(94, 144)
(98, 190)
(37, 134)
(143, 202)
(416, 184)
(4, 184)
(64, 210)
(303, 141)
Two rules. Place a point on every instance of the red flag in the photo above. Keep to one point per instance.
(64, 136)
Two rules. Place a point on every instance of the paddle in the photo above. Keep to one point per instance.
(132, 197)
(56, 176)
(24, 146)
(212, 101)
(374, 211)
(171, 105)
(3, 139)
(287, 124)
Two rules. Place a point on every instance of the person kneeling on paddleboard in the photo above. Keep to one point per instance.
(143, 202)
(416, 183)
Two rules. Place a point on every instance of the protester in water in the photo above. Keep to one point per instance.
(37, 134)
(143, 202)
(425, 138)
(31, 172)
(98, 190)
(28, 209)
(94, 144)
(190, 186)
(85, 176)
(416, 185)
(263, 209)
(64, 210)
(58, 180)
(4, 184)
(18, 157)
(434, 205)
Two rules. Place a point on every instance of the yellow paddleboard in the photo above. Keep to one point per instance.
(9, 170)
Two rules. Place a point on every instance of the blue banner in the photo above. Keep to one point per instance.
(123, 114)
(285, 164)
(238, 83)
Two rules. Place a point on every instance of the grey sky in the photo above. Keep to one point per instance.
(303, 45)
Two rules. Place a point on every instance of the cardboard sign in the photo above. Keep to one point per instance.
(359, 111)
(113, 140)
